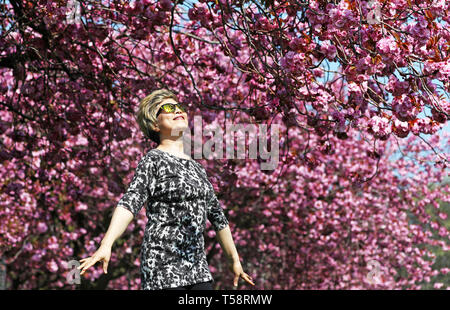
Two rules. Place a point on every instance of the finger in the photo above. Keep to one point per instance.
(86, 261)
(247, 278)
(85, 269)
(82, 265)
(105, 266)
(236, 279)
(91, 263)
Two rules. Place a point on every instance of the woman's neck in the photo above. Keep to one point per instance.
(174, 148)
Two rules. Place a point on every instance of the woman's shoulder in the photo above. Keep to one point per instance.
(153, 155)
(149, 157)
(158, 157)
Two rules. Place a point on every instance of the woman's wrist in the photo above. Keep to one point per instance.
(107, 243)
(233, 258)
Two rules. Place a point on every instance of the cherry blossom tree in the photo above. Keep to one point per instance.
(351, 83)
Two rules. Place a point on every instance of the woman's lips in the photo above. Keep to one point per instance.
(178, 117)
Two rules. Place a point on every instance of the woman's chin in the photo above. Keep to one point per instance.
(179, 127)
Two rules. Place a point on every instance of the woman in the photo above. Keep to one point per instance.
(179, 199)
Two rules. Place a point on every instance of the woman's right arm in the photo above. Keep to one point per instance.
(119, 222)
(127, 208)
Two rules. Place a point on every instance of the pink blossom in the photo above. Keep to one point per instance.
(52, 243)
(41, 227)
(52, 266)
(293, 62)
(387, 45)
(328, 48)
(438, 285)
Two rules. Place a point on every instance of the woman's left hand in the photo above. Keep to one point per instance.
(236, 268)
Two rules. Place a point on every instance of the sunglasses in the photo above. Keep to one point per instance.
(170, 108)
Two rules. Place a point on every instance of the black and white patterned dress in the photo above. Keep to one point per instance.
(179, 198)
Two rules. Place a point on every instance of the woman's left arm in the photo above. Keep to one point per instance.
(226, 242)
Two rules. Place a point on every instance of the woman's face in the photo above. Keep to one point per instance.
(172, 124)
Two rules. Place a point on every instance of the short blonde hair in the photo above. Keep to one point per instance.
(146, 114)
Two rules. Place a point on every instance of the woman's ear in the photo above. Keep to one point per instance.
(154, 127)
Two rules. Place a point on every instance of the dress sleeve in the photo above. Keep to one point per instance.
(140, 187)
(215, 213)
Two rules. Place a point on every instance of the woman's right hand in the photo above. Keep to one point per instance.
(102, 254)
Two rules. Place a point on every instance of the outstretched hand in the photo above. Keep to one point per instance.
(102, 254)
(236, 268)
